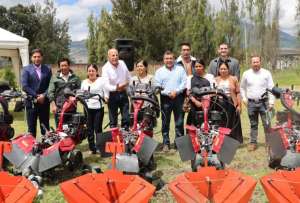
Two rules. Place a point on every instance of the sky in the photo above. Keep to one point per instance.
(77, 11)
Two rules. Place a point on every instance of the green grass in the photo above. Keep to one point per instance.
(169, 164)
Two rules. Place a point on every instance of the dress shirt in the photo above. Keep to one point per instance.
(96, 87)
(65, 77)
(255, 83)
(115, 75)
(173, 79)
(38, 70)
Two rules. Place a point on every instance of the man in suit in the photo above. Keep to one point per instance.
(35, 82)
(234, 67)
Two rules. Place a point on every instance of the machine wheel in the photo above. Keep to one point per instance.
(75, 160)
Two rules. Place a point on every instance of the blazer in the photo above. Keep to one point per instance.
(31, 84)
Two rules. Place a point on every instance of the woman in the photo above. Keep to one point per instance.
(199, 80)
(142, 75)
(96, 85)
(230, 85)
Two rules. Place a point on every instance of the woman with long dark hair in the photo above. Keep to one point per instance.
(230, 85)
(96, 85)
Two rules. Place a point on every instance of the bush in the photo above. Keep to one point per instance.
(6, 74)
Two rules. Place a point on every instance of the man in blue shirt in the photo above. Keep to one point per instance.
(172, 78)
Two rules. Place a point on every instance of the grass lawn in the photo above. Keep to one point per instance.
(169, 164)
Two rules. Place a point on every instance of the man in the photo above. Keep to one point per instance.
(185, 59)
(223, 51)
(254, 83)
(64, 79)
(116, 72)
(35, 82)
(172, 78)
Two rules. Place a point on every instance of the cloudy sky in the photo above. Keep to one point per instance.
(77, 11)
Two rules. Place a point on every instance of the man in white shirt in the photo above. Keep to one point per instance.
(254, 83)
(118, 76)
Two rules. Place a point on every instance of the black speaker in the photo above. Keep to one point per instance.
(125, 48)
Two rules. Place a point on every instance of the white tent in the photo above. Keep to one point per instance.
(15, 47)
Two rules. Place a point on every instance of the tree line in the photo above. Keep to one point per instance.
(248, 26)
(40, 26)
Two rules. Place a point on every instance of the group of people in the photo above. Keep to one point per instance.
(176, 78)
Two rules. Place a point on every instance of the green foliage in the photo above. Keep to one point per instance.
(92, 40)
(40, 26)
(7, 75)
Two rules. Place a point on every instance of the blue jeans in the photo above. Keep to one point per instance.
(255, 109)
(168, 106)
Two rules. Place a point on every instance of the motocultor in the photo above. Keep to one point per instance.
(110, 186)
(209, 148)
(284, 150)
(138, 141)
(36, 159)
(14, 188)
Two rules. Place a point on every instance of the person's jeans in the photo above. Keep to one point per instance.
(118, 100)
(168, 106)
(255, 109)
(95, 120)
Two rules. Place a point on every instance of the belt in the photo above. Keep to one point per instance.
(117, 92)
(256, 100)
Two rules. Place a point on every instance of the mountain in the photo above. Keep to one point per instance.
(288, 41)
(78, 49)
(78, 52)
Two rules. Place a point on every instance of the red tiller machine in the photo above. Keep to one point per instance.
(209, 148)
(283, 142)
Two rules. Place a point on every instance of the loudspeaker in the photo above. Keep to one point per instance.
(125, 48)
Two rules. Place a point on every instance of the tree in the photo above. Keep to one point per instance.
(40, 26)
(298, 18)
(105, 40)
(227, 27)
(92, 39)
(53, 37)
(198, 29)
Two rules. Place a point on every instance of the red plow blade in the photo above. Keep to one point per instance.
(110, 186)
(16, 189)
(282, 186)
(211, 185)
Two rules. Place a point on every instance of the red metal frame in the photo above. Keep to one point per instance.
(110, 186)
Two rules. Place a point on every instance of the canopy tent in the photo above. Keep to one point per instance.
(15, 47)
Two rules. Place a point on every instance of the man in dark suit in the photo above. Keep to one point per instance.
(35, 82)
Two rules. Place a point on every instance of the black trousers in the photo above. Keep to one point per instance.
(118, 100)
(35, 111)
(168, 106)
(94, 124)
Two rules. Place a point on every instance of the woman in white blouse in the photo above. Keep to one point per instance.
(96, 85)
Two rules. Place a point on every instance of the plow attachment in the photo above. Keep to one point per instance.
(282, 186)
(110, 186)
(14, 189)
(211, 185)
